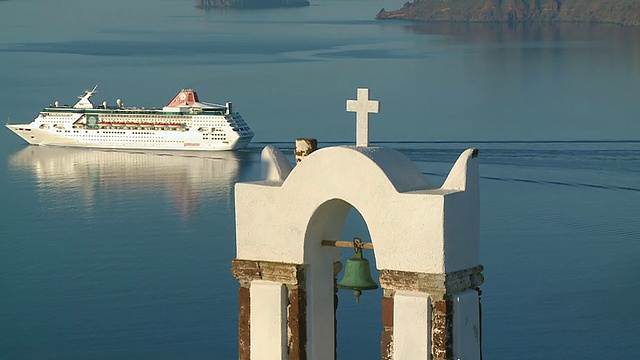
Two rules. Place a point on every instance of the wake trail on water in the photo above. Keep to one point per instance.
(548, 182)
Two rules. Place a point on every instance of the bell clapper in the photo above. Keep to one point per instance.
(357, 294)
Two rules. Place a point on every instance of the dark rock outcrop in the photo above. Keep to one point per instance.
(249, 4)
(624, 12)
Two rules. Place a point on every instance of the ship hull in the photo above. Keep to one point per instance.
(125, 139)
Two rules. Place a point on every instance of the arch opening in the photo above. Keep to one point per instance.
(358, 325)
(354, 325)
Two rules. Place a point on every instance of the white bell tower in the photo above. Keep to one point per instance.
(425, 240)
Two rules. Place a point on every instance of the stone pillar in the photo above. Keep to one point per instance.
(292, 276)
(268, 319)
(453, 320)
(411, 320)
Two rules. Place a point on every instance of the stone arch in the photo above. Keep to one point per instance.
(371, 179)
(421, 235)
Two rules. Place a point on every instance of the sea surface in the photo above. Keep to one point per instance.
(126, 254)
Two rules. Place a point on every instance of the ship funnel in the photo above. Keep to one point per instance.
(186, 97)
(229, 109)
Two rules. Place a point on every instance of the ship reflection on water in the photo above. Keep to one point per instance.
(85, 177)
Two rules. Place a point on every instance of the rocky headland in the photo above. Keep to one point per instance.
(249, 4)
(623, 12)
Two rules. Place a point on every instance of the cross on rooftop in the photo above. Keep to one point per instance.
(363, 107)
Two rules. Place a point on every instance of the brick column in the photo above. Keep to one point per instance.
(441, 329)
(386, 341)
(297, 322)
(441, 289)
(291, 275)
(244, 317)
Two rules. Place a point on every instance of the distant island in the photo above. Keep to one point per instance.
(623, 12)
(249, 4)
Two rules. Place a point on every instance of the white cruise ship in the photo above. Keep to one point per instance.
(185, 123)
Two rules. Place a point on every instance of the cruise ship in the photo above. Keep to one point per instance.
(185, 123)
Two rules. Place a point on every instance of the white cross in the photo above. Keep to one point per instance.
(363, 107)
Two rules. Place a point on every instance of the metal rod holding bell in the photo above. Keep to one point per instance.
(346, 244)
(357, 275)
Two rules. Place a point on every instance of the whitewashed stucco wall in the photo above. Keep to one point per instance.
(413, 226)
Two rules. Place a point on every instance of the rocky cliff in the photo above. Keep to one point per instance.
(249, 4)
(624, 12)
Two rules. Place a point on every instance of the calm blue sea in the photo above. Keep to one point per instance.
(126, 255)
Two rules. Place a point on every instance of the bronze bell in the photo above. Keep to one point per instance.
(357, 275)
